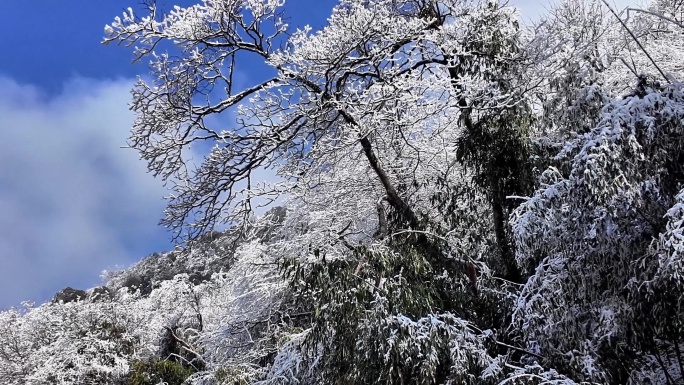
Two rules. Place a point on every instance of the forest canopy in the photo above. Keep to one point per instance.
(461, 199)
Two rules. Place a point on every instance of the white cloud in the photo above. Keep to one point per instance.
(72, 202)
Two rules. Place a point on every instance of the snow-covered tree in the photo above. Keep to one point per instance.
(599, 234)
(350, 120)
(466, 201)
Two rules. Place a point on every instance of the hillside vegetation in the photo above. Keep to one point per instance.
(465, 200)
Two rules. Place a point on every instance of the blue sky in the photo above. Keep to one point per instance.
(72, 202)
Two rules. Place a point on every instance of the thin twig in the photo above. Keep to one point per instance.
(635, 39)
(658, 15)
(519, 349)
(630, 68)
(478, 330)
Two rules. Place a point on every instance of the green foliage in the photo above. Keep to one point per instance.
(153, 372)
(231, 376)
(360, 306)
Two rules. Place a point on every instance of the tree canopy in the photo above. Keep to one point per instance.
(465, 200)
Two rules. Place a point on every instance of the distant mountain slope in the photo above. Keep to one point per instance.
(207, 311)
